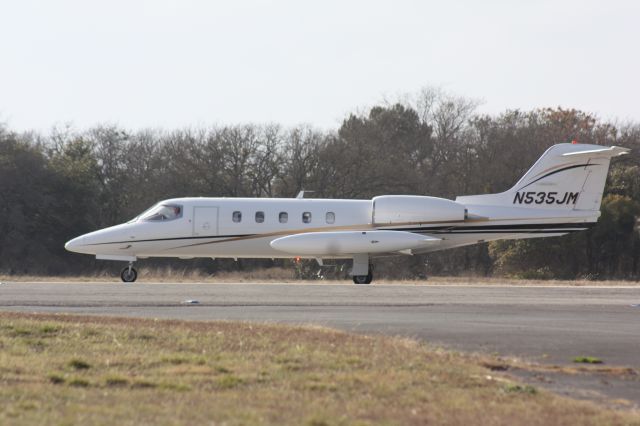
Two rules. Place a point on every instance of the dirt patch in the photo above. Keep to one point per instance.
(619, 389)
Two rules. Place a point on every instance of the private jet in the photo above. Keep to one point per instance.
(560, 194)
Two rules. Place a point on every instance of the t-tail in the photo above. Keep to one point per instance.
(566, 183)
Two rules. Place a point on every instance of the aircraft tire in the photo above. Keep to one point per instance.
(128, 276)
(363, 279)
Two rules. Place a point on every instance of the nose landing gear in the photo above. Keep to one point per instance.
(129, 274)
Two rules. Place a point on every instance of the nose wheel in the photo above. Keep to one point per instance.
(129, 274)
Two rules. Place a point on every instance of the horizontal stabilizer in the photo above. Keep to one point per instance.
(611, 151)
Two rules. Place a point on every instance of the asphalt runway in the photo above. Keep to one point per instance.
(542, 324)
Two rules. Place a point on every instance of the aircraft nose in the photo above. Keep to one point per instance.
(74, 244)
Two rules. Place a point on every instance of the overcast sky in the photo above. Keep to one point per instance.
(170, 63)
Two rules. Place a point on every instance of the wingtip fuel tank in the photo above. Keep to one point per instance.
(342, 243)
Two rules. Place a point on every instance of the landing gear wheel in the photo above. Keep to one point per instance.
(128, 274)
(363, 279)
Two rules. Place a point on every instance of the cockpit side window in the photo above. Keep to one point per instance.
(162, 213)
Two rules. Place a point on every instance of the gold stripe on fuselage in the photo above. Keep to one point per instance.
(361, 227)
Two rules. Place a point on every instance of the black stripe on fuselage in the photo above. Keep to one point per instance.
(541, 228)
(534, 226)
(519, 231)
(174, 239)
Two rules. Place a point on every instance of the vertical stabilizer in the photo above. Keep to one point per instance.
(567, 176)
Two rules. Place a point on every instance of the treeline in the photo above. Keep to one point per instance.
(57, 186)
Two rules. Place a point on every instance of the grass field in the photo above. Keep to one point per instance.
(284, 275)
(90, 370)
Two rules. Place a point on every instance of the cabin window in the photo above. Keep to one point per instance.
(306, 217)
(162, 212)
(283, 217)
(331, 217)
(237, 216)
(259, 217)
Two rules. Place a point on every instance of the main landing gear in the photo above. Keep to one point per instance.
(363, 279)
(362, 271)
(129, 274)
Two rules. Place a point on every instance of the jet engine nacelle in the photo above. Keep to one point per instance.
(397, 209)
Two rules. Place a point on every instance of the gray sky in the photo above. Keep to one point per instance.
(171, 63)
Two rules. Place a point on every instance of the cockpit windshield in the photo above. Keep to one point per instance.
(162, 212)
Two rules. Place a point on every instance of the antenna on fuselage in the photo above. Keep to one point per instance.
(301, 193)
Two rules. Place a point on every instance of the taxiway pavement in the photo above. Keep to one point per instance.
(543, 324)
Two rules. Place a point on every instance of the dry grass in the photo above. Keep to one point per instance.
(168, 274)
(505, 281)
(57, 369)
(285, 275)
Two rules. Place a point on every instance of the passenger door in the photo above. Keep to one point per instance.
(205, 221)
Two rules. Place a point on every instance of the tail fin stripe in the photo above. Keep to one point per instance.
(551, 168)
(558, 171)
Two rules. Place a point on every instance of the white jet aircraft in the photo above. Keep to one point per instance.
(560, 194)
